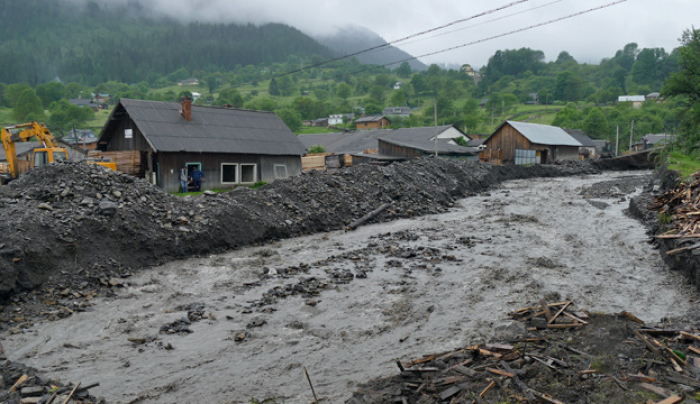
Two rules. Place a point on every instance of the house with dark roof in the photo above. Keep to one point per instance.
(230, 146)
(418, 142)
(587, 148)
(403, 112)
(524, 143)
(373, 122)
(651, 141)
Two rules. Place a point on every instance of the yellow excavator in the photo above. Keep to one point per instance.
(50, 153)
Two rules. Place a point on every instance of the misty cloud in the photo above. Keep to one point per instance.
(589, 37)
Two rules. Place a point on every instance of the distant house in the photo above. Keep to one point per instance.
(373, 122)
(603, 147)
(636, 100)
(417, 142)
(83, 139)
(337, 119)
(95, 106)
(651, 141)
(403, 112)
(230, 146)
(189, 82)
(397, 85)
(528, 143)
(100, 97)
(196, 96)
(24, 153)
(483, 102)
(467, 69)
(587, 148)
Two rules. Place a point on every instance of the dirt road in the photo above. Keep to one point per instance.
(347, 305)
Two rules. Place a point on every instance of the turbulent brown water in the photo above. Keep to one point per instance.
(364, 299)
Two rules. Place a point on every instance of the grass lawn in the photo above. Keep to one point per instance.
(686, 165)
(311, 131)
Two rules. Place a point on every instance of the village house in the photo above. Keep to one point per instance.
(403, 112)
(587, 149)
(231, 147)
(651, 141)
(337, 119)
(418, 142)
(636, 100)
(397, 85)
(373, 122)
(528, 143)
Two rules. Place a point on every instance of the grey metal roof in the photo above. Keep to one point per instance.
(375, 118)
(419, 139)
(543, 134)
(212, 130)
(653, 139)
(21, 148)
(345, 142)
(581, 137)
(631, 98)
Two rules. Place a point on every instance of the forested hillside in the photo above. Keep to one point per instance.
(48, 39)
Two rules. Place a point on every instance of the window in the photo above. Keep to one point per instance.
(41, 158)
(525, 157)
(280, 171)
(229, 173)
(59, 156)
(248, 173)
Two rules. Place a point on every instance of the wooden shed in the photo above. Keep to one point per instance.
(528, 143)
(373, 122)
(230, 146)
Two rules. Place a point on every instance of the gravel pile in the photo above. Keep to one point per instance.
(71, 229)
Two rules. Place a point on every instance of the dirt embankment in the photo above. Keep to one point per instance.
(687, 262)
(80, 226)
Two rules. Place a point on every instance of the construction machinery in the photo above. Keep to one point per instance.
(50, 153)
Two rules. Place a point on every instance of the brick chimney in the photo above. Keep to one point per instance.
(187, 108)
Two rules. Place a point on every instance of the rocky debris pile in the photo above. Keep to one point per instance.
(610, 358)
(24, 385)
(82, 229)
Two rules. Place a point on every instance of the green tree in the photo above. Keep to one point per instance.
(274, 87)
(377, 94)
(685, 86)
(568, 117)
(317, 148)
(304, 106)
(212, 83)
(13, 92)
(404, 70)
(290, 118)
(50, 92)
(343, 91)
(399, 98)
(66, 115)
(28, 107)
(596, 124)
(568, 87)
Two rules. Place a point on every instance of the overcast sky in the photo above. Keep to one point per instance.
(588, 37)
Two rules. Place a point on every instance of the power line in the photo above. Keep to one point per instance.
(374, 48)
(484, 23)
(475, 42)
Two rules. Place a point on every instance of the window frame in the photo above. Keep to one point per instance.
(240, 173)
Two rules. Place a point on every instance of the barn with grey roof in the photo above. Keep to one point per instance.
(230, 146)
(528, 143)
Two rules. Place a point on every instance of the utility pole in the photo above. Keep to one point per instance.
(617, 140)
(436, 127)
(631, 134)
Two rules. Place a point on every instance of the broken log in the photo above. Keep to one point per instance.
(359, 222)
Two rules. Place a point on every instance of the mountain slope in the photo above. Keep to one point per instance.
(47, 39)
(352, 39)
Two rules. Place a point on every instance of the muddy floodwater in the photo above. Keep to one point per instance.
(347, 305)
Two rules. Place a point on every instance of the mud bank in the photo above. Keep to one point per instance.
(686, 262)
(78, 226)
(347, 305)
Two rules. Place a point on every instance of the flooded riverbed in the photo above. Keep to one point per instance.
(346, 306)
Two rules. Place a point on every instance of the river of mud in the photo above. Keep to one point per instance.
(347, 305)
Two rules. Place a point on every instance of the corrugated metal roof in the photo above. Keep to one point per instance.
(544, 134)
(581, 137)
(375, 118)
(345, 143)
(21, 148)
(419, 139)
(212, 130)
(631, 98)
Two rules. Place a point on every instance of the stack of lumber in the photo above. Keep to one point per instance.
(567, 357)
(128, 161)
(680, 209)
(316, 161)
